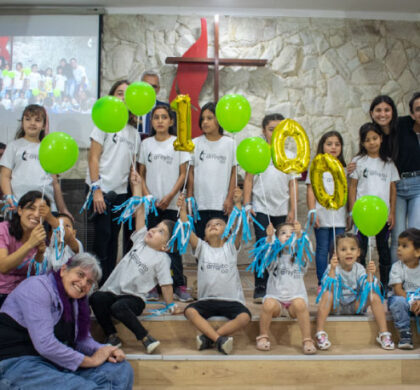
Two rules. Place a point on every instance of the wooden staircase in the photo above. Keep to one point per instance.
(354, 361)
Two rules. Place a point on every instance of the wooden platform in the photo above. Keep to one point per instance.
(355, 360)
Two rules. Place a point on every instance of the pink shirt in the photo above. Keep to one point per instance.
(9, 281)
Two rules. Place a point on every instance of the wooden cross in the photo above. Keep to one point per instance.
(216, 61)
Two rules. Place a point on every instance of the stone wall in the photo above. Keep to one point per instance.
(321, 72)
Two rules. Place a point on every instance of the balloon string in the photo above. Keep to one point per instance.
(185, 184)
(295, 196)
(265, 199)
(42, 198)
(370, 259)
(333, 221)
(236, 170)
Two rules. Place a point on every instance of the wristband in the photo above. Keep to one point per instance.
(94, 188)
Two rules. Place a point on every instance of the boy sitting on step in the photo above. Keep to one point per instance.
(123, 294)
(219, 285)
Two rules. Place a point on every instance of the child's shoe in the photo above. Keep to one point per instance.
(224, 344)
(113, 340)
(182, 294)
(322, 341)
(385, 341)
(203, 342)
(150, 343)
(152, 295)
(406, 340)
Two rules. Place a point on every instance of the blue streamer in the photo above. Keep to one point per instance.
(365, 288)
(159, 312)
(88, 202)
(130, 206)
(332, 285)
(181, 235)
(238, 218)
(40, 268)
(59, 241)
(303, 244)
(411, 297)
(194, 208)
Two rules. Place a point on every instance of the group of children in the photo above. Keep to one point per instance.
(210, 181)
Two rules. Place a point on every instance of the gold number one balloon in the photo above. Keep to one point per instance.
(182, 106)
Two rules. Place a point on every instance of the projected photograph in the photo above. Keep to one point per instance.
(58, 72)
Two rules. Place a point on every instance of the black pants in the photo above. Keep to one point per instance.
(105, 245)
(176, 259)
(124, 308)
(2, 299)
(261, 283)
(383, 251)
(205, 216)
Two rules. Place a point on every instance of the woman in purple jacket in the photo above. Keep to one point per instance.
(44, 334)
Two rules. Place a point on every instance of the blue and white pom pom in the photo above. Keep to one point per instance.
(413, 296)
(365, 288)
(40, 268)
(130, 206)
(334, 286)
(264, 253)
(238, 218)
(193, 208)
(303, 245)
(167, 309)
(7, 205)
(57, 259)
(181, 235)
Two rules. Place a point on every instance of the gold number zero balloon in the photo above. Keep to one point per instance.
(327, 163)
(182, 106)
(290, 128)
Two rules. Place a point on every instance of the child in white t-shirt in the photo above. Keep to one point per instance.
(286, 292)
(332, 143)
(219, 284)
(405, 281)
(348, 275)
(213, 170)
(163, 170)
(123, 295)
(375, 174)
(20, 168)
(272, 191)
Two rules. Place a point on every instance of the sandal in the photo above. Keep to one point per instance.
(308, 346)
(385, 341)
(263, 343)
(322, 340)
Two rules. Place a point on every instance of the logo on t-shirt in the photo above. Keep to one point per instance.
(115, 138)
(158, 156)
(223, 268)
(371, 172)
(212, 156)
(29, 156)
(143, 268)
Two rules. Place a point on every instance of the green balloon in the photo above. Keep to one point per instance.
(58, 152)
(35, 92)
(253, 155)
(370, 214)
(56, 92)
(233, 112)
(140, 98)
(109, 114)
(26, 71)
(11, 74)
(4, 72)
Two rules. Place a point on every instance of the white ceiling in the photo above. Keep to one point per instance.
(375, 9)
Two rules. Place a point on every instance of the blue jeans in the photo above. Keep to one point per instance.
(407, 210)
(400, 310)
(324, 243)
(37, 373)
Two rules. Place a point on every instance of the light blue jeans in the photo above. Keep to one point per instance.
(407, 210)
(37, 373)
(400, 310)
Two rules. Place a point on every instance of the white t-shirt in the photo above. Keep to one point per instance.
(117, 157)
(162, 166)
(22, 158)
(276, 189)
(139, 270)
(51, 255)
(326, 216)
(374, 177)
(34, 79)
(213, 162)
(408, 277)
(19, 79)
(349, 279)
(217, 274)
(60, 82)
(285, 280)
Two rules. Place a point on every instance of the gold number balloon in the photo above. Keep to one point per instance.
(182, 106)
(290, 128)
(327, 163)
